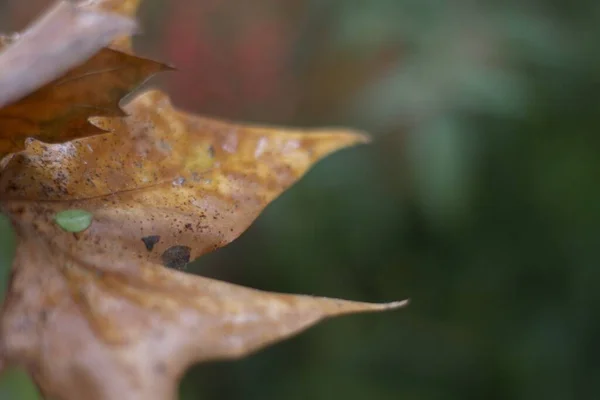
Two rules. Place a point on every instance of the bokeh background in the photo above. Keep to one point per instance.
(479, 198)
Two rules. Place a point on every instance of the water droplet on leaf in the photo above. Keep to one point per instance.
(178, 181)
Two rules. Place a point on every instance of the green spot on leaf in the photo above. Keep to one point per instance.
(74, 220)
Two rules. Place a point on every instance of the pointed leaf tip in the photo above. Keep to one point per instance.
(358, 137)
(393, 305)
(328, 141)
(336, 307)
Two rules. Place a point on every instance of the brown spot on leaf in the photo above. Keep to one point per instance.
(150, 241)
(176, 257)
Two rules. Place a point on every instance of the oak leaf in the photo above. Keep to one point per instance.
(62, 38)
(97, 306)
(59, 110)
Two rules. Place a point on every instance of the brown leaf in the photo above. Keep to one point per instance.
(91, 314)
(62, 38)
(59, 111)
(91, 311)
(185, 181)
(107, 328)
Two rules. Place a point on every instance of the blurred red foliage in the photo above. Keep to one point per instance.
(233, 61)
(261, 60)
(265, 60)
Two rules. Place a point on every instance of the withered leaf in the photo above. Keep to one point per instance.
(96, 332)
(96, 307)
(59, 111)
(193, 181)
(98, 300)
(59, 40)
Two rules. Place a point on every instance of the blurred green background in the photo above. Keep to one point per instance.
(478, 199)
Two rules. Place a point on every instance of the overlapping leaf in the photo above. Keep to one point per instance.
(92, 312)
(106, 333)
(59, 40)
(59, 110)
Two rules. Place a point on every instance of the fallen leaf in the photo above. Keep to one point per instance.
(62, 38)
(97, 307)
(183, 180)
(59, 111)
(92, 332)
(117, 320)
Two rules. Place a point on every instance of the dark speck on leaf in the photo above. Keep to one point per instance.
(176, 257)
(150, 241)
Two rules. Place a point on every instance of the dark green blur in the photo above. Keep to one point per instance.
(479, 198)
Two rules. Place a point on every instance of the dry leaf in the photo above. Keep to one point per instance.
(184, 181)
(96, 308)
(98, 301)
(95, 332)
(59, 110)
(62, 38)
